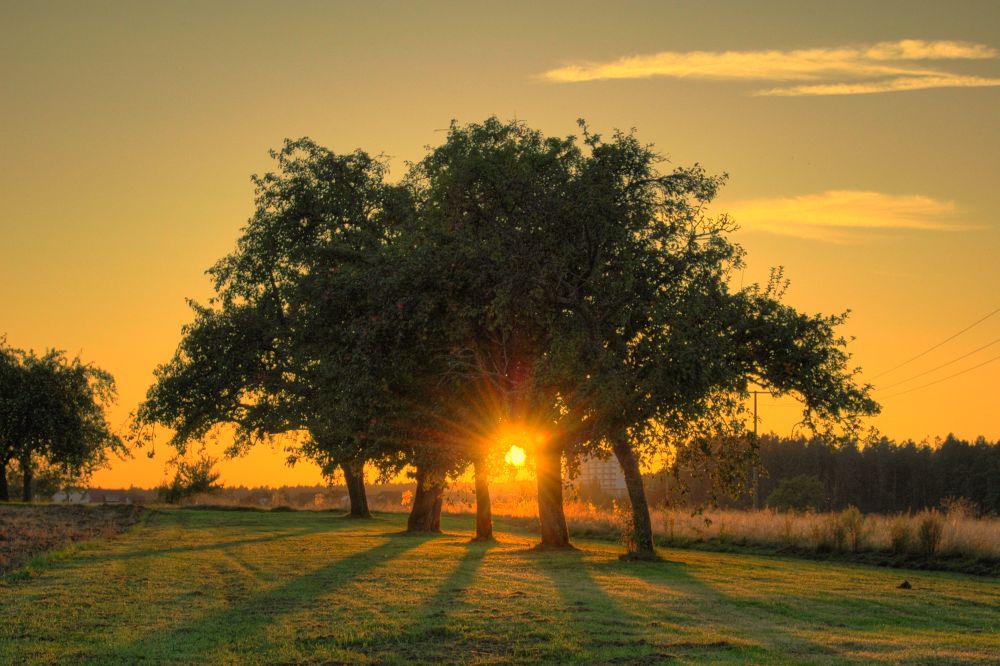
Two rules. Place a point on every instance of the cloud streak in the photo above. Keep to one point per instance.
(841, 215)
(846, 70)
(899, 84)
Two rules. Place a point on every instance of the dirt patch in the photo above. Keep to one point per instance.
(27, 531)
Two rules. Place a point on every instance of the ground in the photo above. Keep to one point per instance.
(228, 587)
(27, 530)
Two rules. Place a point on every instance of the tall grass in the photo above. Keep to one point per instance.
(928, 533)
(952, 531)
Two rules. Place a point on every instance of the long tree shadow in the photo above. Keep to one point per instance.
(673, 625)
(335, 524)
(197, 548)
(441, 608)
(761, 629)
(779, 620)
(241, 625)
(436, 632)
(604, 630)
(254, 570)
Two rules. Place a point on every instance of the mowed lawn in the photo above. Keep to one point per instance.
(231, 587)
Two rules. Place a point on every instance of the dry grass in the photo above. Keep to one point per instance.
(27, 531)
(959, 533)
(954, 532)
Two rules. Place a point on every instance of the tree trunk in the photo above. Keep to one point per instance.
(551, 519)
(484, 513)
(425, 516)
(26, 473)
(641, 546)
(354, 476)
(4, 489)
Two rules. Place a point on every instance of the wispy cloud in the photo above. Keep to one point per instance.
(841, 215)
(897, 84)
(846, 70)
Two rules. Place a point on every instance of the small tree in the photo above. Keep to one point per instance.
(191, 478)
(52, 410)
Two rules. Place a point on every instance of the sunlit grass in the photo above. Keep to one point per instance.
(313, 587)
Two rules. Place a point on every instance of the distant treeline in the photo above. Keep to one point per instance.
(885, 477)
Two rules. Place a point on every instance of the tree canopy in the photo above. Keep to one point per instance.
(52, 409)
(567, 283)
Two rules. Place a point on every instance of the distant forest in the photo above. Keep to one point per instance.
(886, 477)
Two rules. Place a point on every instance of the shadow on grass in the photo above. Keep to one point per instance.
(242, 625)
(762, 629)
(248, 566)
(442, 630)
(604, 630)
(319, 527)
(775, 618)
(609, 628)
(458, 581)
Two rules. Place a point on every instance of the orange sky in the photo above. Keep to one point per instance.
(862, 140)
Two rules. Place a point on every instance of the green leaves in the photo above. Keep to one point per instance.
(52, 408)
(192, 478)
(571, 280)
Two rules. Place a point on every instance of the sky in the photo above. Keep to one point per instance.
(861, 139)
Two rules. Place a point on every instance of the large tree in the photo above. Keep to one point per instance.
(52, 410)
(280, 348)
(655, 342)
(584, 290)
(334, 316)
(597, 300)
(492, 209)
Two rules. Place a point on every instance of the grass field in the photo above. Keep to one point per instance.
(313, 587)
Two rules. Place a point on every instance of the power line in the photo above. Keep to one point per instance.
(929, 350)
(943, 365)
(938, 381)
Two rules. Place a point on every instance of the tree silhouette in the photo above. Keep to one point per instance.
(52, 409)
(583, 290)
(191, 478)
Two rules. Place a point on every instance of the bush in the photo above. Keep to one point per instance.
(797, 493)
(959, 508)
(829, 533)
(786, 528)
(929, 531)
(853, 523)
(899, 534)
(191, 479)
(838, 530)
(669, 524)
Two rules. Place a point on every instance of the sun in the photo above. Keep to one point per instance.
(517, 438)
(515, 456)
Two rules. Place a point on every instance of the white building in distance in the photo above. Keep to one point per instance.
(605, 474)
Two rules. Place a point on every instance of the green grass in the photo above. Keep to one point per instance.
(301, 587)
